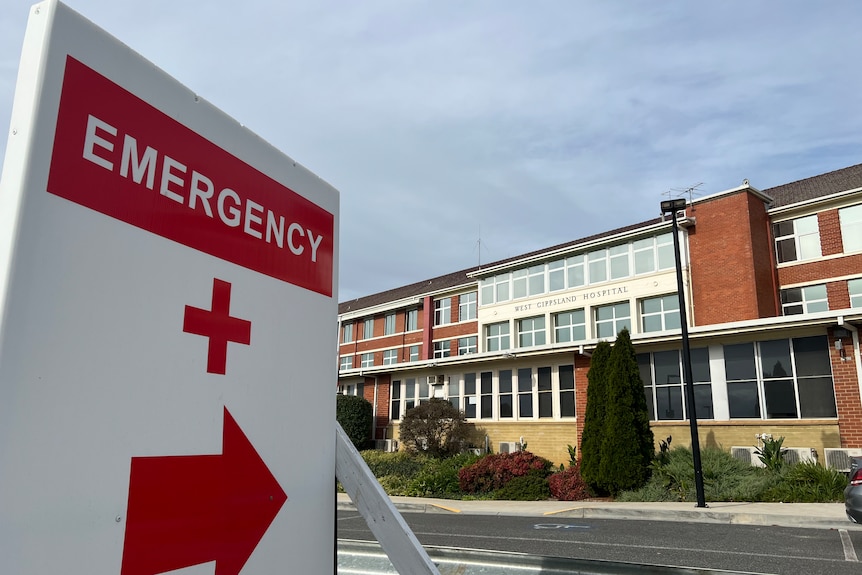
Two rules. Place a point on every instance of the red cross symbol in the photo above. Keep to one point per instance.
(218, 326)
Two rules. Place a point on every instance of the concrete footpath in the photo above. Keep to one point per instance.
(816, 515)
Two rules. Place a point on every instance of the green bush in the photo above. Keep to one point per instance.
(807, 482)
(439, 477)
(394, 484)
(530, 487)
(771, 454)
(436, 428)
(355, 414)
(627, 446)
(399, 463)
(725, 478)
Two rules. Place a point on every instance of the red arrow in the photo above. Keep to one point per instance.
(191, 509)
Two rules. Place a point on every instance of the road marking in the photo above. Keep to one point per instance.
(559, 526)
(562, 510)
(451, 509)
(849, 551)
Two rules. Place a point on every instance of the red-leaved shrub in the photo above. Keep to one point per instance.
(567, 485)
(494, 471)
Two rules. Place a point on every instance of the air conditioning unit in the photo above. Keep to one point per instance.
(387, 445)
(746, 454)
(435, 380)
(794, 455)
(509, 447)
(839, 459)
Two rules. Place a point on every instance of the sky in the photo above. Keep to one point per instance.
(464, 132)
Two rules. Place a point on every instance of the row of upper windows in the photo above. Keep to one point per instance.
(656, 314)
(799, 239)
(813, 298)
(638, 257)
(467, 310)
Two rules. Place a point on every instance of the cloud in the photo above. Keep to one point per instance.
(523, 124)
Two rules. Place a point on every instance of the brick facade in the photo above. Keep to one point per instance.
(731, 269)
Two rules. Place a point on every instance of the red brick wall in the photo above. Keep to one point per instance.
(381, 416)
(846, 393)
(838, 294)
(812, 272)
(830, 232)
(732, 266)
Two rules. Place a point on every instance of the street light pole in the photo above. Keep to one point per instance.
(673, 207)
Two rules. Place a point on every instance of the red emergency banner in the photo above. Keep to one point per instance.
(122, 157)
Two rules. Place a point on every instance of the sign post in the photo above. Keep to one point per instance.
(168, 318)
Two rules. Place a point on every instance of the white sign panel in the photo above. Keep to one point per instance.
(167, 365)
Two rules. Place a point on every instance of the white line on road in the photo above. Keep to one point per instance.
(849, 551)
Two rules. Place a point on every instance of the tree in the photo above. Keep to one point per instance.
(435, 427)
(628, 445)
(594, 419)
(355, 414)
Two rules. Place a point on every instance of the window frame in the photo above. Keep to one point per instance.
(468, 306)
(442, 311)
(850, 221)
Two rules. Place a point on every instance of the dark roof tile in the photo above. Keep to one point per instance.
(816, 186)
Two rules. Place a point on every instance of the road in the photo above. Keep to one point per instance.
(746, 548)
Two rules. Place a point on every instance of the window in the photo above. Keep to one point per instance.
(486, 395)
(570, 326)
(347, 333)
(368, 328)
(808, 299)
(442, 348)
(414, 353)
(644, 255)
(557, 275)
(346, 362)
(598, 268)
(443, 311)
(546, 394)
(575, 275)
(390, 357)
(412, 323)
(529, 281)
(531, 331)
(619, 261)
(851, 228)
(611, 319)
(395, 401)
(367, 360)
(797, 239)
(505, 389)
(855, 289)
(525, 392)
(468, 345)
(497, 336)
(567, 390)
(411, 389)
(470, 395)
(742, 391)
(389, 324)
(495, 289)
(467, 306)
(453, 392)
(664, 250)
(785, 379)
(660, 313)
(661, 373)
